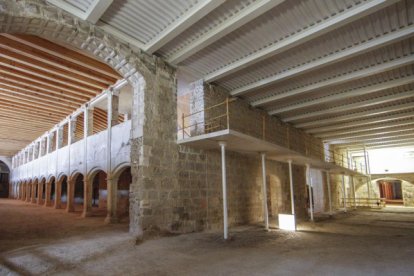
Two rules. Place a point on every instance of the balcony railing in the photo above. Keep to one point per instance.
(235, 115)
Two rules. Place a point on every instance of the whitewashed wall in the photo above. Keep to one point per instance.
(70, 159)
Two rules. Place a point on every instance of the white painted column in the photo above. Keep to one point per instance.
(353, 190)
(87, 189)
(309, 182)
(264, 190)
(112, 184)
(224, 184)
(328, 183)
(292, 193)
(344, 191)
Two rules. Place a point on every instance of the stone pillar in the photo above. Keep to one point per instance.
(58, 194)
(48, 193)
(59, 137)
(87, 188)
(25, 192)
(71, 195)
(112, 184)
(88, 121)
(72, 131)
(114, 106)
(49, 147)
(87, 198)
(22, 191)
(112, 200)
(34, 192)
(28, 192)
(40, 193)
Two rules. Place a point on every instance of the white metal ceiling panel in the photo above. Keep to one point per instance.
(143, 19)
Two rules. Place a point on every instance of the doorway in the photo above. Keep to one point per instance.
(391, 191)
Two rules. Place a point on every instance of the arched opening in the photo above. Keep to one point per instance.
(35, 191)
(42, 191)
(29, 191)
(4, 180)
(63, 192)
(78, 192)
(124, 183)
(99, 193)
(52, 191)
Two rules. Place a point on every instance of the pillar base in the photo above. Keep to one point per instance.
(70, 209)
(111, 219)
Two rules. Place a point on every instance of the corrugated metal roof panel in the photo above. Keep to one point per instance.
(144, 20)
(332, 43)
(82, 5)
(270, 28)
(370, 60)
(353, 111)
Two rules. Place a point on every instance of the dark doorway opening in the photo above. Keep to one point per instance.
(4, 180)
(391, 191)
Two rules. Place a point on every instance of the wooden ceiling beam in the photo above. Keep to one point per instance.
(45, 75)
(26, 84)
(23, 110)
(33, 104)
(63, 53)
(20, 121)
(76, 90)
(70, 75)
(13, 93)
(27, 117)
(7, 129)
(34, 54)
(25, 90)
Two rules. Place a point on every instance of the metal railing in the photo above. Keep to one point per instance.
(363, 202)
(252, 122)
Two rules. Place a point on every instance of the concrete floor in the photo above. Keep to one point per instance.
(36, 240)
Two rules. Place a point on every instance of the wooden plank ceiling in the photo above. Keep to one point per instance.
(41, 83)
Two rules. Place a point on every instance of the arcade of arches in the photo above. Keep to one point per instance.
(69, 193)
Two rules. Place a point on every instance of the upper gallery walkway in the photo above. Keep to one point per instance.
(246, 130)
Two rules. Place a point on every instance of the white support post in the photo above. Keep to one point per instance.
(292, 195)
(353, 191)
(224, 184)
(344, 191)
(366, 161)
(264, 190)
(328, 183)
(309, 182)
(369, 190)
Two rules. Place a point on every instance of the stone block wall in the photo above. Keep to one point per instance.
(177, 188)
(257, 123)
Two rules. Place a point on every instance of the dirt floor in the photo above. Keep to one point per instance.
(37, 240)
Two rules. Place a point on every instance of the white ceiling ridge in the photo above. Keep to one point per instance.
(355, 75)
(201, 9)
(361, 91)
(305, 36)
(371, 139)
(365, 122)
(403, 126)
(95, 10)
(361, 114)
(348, 107)
(331, 59)
(359, 147)
(246, 15)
